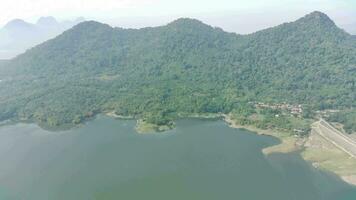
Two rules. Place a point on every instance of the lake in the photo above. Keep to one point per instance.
(201, 159)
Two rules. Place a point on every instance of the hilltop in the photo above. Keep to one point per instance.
(186, 67)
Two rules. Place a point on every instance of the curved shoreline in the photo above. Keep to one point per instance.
(319, 152)
(323, 155)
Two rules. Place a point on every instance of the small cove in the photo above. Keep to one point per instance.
(200, 159)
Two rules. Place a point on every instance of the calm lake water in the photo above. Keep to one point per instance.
(106, 159)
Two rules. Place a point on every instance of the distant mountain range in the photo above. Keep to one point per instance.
(17, 35)
(160, 74)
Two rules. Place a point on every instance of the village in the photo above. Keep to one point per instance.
(295, 110)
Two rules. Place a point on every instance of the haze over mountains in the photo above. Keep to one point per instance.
(159, 74)
(17, 35)
(352, 28)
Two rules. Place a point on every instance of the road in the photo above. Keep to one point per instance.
(342, 141)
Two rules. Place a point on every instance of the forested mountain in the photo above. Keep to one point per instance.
(185, 67)
(17, 35)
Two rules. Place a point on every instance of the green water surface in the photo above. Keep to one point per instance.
(106, 159)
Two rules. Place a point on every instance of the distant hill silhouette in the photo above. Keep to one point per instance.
(17, 35)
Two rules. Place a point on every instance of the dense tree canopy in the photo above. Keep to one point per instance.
(161, 73)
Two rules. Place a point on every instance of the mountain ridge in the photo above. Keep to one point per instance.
(15, 23)
(17, 35)
(184, 67)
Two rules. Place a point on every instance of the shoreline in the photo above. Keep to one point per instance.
(321, 154)
(143, 127)
(349, 179)
(116, 116)
(288, 143)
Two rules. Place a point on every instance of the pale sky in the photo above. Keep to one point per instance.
(232, 15)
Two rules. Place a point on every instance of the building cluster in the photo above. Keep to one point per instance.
(292, 109)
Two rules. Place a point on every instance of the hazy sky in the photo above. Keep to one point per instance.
(232, 15)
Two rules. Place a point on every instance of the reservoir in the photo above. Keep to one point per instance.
(199, 160)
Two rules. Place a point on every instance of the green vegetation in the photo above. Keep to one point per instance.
(154, 74)
(347, 118)
(274, 119)
(143, 126)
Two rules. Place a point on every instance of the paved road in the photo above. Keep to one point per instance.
(342, 141)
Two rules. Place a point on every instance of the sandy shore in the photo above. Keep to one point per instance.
(314, 149)
(326, 156)
(350, 179)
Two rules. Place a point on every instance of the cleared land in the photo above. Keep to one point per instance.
(342, 141)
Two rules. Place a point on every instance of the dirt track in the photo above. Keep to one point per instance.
(342, 141)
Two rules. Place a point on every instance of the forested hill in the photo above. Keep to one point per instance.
(184, 67)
